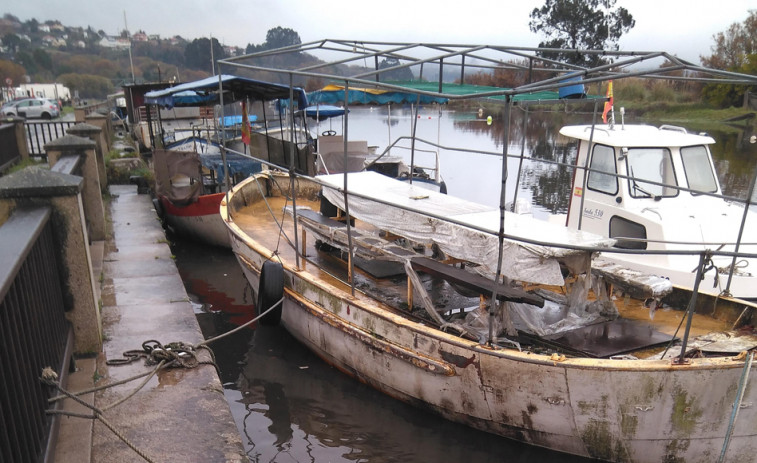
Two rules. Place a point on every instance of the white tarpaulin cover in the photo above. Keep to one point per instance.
(521, 261)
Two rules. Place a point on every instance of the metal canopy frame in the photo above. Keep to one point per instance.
(347, 62)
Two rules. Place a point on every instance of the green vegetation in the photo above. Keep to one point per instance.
(663, 101)
(24, 163)
(120, 168)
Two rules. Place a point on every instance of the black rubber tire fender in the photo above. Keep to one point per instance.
(270, 291)
(158, 208)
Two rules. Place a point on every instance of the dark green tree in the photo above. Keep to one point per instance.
(580, 25)
(12, 42)
(279, 37)
(734, 50)
(27, 60)
(32, 26)
(396, 74)
(197, 53)
(42, 59)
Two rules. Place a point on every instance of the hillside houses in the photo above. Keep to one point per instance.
(117, 43)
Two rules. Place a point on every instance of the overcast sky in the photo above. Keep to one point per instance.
(682, 27)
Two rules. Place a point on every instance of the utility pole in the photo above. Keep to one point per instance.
(131, 62)
(212, 60)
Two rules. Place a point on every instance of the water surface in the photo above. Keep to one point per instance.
(291, 407)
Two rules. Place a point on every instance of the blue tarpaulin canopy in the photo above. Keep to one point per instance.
(238, 164)
(230, 121)
(322, 112)
(205, 92)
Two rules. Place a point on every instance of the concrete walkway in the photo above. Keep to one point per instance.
(181, 415)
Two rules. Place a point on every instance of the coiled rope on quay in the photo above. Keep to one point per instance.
(171, 355)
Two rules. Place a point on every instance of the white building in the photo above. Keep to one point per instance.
(113, 42)
(53, 91)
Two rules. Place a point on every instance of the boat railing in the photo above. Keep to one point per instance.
(434, 169)
(180, 133)
(597, 129)
(696, 247)
(673, 128)
(507, 236)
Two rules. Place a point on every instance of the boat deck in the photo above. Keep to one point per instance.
(386, 281)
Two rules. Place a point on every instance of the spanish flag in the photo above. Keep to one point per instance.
(608, 103)
(246, 129)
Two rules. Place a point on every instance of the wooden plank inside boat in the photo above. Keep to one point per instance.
(474, 282)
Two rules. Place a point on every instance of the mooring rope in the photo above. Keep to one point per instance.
(50, 378)
(172, 355)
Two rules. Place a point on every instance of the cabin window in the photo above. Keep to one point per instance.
(696, 165)
(603, 160)
(652, 165)
(624, 228)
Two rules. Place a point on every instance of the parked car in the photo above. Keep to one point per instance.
(32, 108)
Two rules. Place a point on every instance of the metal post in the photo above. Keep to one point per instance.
(743, 381)
(222, 135)
(703, 258)
(501, 236)
(149, 126)
(462, 72)
(586, 165)
(412, 139)
(291, 168)
(520, 160)
(748, 203)
(350, 263)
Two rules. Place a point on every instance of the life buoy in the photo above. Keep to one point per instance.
(270, 291)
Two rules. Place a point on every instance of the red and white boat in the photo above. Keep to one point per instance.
(189, 174)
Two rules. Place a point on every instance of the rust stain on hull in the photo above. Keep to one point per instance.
(414, 358)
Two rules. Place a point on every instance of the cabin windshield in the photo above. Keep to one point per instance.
(696, 166)
(651, 165)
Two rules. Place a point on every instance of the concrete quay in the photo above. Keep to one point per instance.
(181, 414)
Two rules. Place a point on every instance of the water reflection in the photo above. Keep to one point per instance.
(535, 136)
(291, 407)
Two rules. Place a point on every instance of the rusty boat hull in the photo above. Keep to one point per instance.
(610, 409)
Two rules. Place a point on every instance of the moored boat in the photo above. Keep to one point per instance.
(492, 319)
(189, 173)
(618, 408)
(362, 156)
(655, 189)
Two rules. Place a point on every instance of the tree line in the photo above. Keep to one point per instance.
(96, 71)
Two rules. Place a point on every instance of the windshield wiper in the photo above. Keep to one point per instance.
(635, 186)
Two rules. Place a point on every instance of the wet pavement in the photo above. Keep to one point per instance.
(181, 414)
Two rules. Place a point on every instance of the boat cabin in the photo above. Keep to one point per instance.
(655, 189)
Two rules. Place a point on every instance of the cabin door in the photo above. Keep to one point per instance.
(601, 192)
